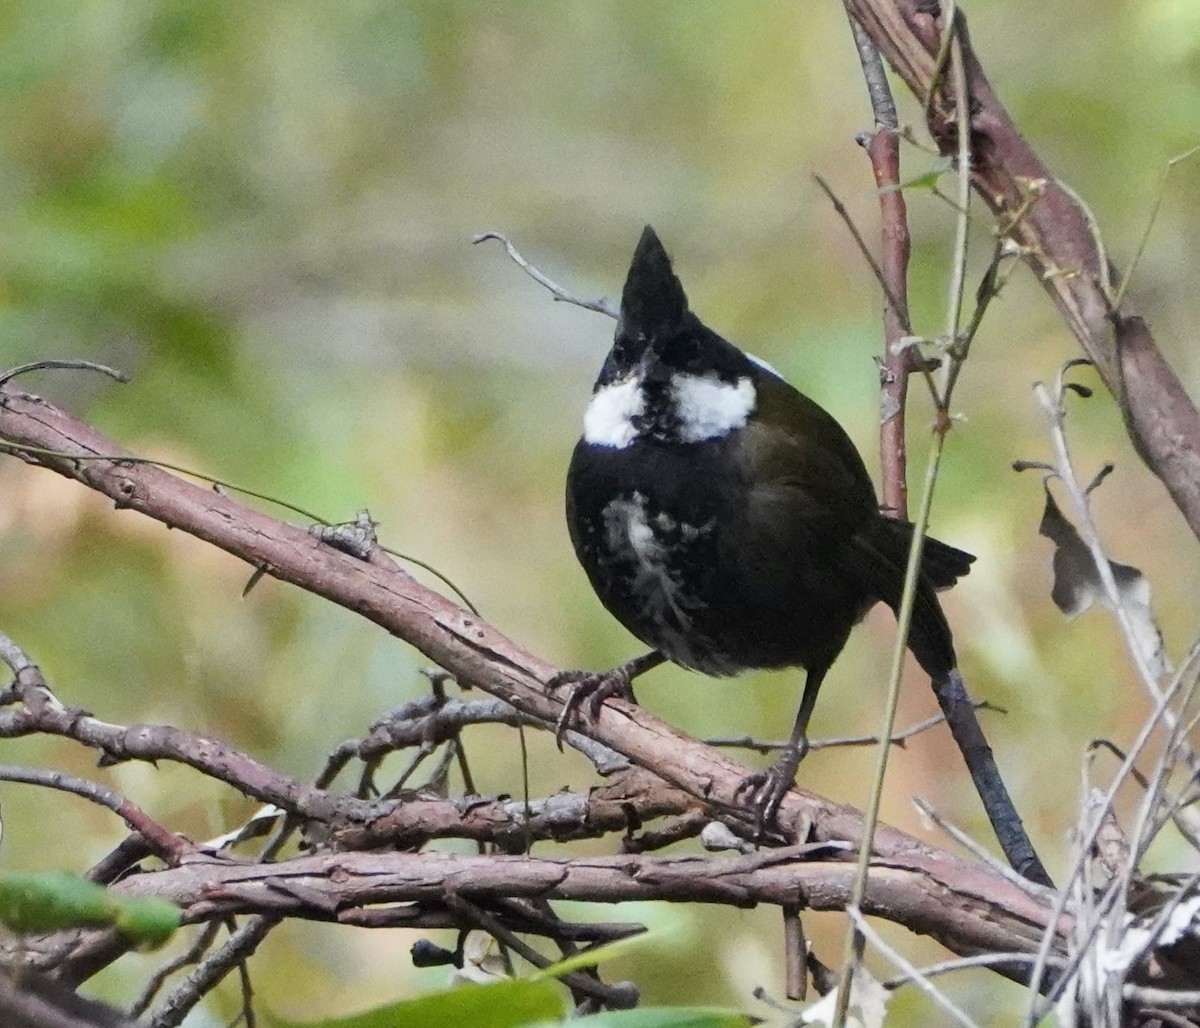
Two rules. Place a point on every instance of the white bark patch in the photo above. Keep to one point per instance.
(709, 408)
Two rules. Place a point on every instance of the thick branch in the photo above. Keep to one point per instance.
(338, 887)
(475, 653)
(1059, 242)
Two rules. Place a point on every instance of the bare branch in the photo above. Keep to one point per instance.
(322, 887)
(474, 652)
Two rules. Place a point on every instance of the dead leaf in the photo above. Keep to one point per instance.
(868, 1003)
(1077, 585)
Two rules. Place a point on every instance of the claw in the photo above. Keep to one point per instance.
(763, 791)
(592, 688)
(597, 686)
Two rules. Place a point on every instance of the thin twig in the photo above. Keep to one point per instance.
(601, 305)
(211, 970)
(979, 853)
(862, 925)
(1053, 405)
(882, 145)
(200, 945)
(745, 742)
(963, 964)
(220, 484)
(1158, 198)
(165, 845)
(575, 980)
(82, 365)
(865, 250)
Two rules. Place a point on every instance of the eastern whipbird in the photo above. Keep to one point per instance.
(727, 520)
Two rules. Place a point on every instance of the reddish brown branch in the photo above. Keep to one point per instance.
(974, 907)
(168, 847)
(1058, 241)
(882, 144)
(627, 799)
(38, 712)
(468, 648)
(897, 362)
(811, 877)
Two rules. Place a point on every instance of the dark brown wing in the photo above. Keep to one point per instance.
(813, 499)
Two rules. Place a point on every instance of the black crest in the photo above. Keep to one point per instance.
(653, 302)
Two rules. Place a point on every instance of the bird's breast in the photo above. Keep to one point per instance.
(649, 527)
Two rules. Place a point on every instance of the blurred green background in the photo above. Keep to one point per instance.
(264, 213)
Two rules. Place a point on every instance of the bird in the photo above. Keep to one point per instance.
(728, 521)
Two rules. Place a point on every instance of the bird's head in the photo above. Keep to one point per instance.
(668, 378)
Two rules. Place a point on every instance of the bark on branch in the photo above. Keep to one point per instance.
(342, 886)
(969, 907)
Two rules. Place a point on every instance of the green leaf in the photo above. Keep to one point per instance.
(667, 1017)
(929, 180)
(597, 956)
(52, 901)
(148, 922)
(503, 1005)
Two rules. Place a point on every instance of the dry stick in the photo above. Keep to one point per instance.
(1078, 873)
(615, 996)
(914, 975)
(883, 148)
(626, 793)
(1052, 402)
(211, 970)
(959, 964)
(951, 692)
(164, 844)
(895, 281)
(327, 886)
(900, 738)
(951, 695)
(600, 305)
(855, 939)
(198, 946)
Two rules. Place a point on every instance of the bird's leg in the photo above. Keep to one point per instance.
(765, 789)
(594, 687)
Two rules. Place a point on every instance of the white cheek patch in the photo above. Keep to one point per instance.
(608, 420)
(708, 408)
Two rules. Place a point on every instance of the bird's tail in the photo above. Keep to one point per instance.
(941, 563)
(883, 556)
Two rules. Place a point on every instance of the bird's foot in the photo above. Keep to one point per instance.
(763, 791)
(591, 688)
